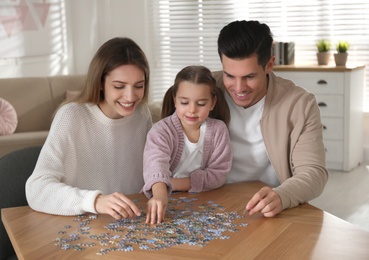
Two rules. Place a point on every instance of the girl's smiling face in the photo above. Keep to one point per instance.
(193, 103)
(123, 90)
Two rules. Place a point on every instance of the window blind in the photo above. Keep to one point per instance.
(185, 32)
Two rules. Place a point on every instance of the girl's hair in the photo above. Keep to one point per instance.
(197, 75)
(112, 54)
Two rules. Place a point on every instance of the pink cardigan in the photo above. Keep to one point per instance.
(163, 151)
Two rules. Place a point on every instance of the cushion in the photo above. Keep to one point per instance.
(8, 118)
(71, 94)
(155, 109)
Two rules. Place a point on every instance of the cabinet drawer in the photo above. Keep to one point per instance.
(330, 105)
(332, 128)
(333, 151)
(317, 82)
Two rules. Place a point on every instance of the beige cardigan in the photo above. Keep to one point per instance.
(292, 133)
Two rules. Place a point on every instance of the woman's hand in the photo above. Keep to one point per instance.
(116, 205)
(157, 205)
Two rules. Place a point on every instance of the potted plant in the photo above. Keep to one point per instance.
(323, 51)
(341, 56)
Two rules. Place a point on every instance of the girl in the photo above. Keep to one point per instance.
(189, 149)
(95, 145)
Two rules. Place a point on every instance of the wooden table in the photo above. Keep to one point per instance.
(304, 232)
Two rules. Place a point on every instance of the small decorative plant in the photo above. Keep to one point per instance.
(341, 56)
(323, 45)
(342, 46)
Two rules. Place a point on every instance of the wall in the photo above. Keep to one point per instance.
(66, 41)
(92, 22)
(366, 137)
(33, 38)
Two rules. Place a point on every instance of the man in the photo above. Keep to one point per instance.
(275, 127)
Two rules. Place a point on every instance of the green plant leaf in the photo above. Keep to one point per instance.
(342, 46)
(323, 45)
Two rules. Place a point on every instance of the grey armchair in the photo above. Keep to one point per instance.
(15, 168)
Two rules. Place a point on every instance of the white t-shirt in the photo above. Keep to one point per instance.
(192, 155)
(250, 158)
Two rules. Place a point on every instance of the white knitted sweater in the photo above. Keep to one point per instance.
(87, 154)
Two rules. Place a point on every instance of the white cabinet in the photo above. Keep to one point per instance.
(339, 93)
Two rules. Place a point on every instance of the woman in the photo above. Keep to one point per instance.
(93, 153)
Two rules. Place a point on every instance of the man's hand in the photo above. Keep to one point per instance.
(266, 201)
(116, 205)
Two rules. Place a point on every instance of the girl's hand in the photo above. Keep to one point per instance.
(180, 184)
(116, 205)
(156, 208)
(157, 205)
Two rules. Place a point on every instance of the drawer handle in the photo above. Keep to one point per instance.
(322, 82)
(322, 104)
(324, 127)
